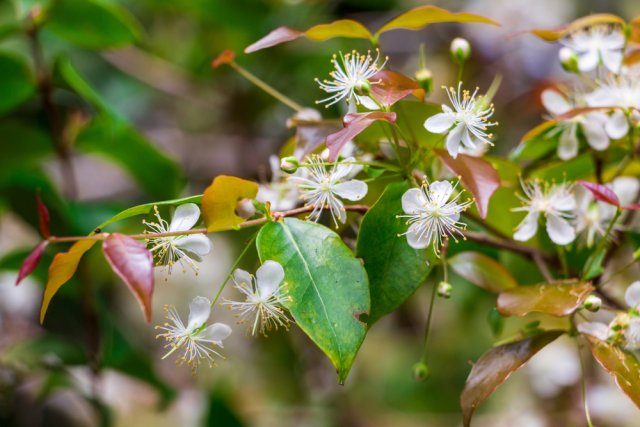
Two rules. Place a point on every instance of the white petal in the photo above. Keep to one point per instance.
(413, 201)
(527, 228)
(595, 133)
(588, 61)
(215, 333)
(439, 123)
(568, 145)
(185, 217)
(454, 139)
(626, 188)
(198, 244)
(343, 169)
(241, 277)
(617, 126)
(440, 191)
(559, 230)
(199, 311)
(595, 329)
(351, 190)
(555, 102)
(269, 276)
(612, 59)
(562, 200)
(467, 139)
(632, 295)
(367, 102)
(415, 240)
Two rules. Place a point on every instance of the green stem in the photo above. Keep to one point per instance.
(584, 390)
(460, 71)
(602, 243)
(374, 164)
(423, 359)
(562, 254)
(233, 268)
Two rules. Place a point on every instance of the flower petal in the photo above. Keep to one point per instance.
(595, 329)
(527, 228)
(413, 201)
(367, 102)
(351, 190)
(343, 169)
(215, 333)
(439, 123)
(617, 126)
(595, 134)
(632, 295)
(198, 244)
(453, 140)
(588, 61)
(559, 230)
(417, 240)
(440, 192)
(612, 59)
(555, 102)
(185, 217)
(242, 278)
(626, 188)
(568, 145)
(269, 277)
(199, 311)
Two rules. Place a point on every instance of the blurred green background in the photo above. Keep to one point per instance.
(151, 121)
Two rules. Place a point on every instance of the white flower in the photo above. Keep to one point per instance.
(632, 295)
(598, 330)
(432, 214)
(264, 297)
(279, 193)
(592, 124)
(632, 334)
(618, 91)
(597, 44)
(196, 339)
(323, 188)
(351, 79)
(556, 203)
(184, 249)
(466, 124)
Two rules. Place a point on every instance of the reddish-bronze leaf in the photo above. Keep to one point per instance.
(495, 366)
(557, 299)
(275, 37)
(391, 87)
(43, 217)
(601, 192)
(31, 262)
(482, 271)
(477, 175)
(354, 123)
(623, 366)
(226, 57)
(133, 262)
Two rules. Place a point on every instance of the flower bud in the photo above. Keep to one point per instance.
(425, 79)
(420, 371)
(363, 88)
(592, 303)
(245, 208)
(444, 290)
(289, 164)
(460, 50)
(568, 59)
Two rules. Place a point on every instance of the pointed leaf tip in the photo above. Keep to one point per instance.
(31, 262)
(354, 124)
(43, 217)
(601, 192)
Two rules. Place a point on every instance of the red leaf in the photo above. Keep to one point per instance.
(354, 123)
(31, 262)
(601, 192)
(634, 207)
(275, 37)
(43, 217)
(133, 262)
(477, 175)
(226, 57)
(392, 87)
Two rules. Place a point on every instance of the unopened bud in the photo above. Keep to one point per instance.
(289, 164)
(420, 371)
(460, 50)
(363, 88)
(568, 59)
(245, 208)
(425, 79)
(444, 289)
(592, 303)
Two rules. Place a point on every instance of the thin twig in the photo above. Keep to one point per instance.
(506, 244)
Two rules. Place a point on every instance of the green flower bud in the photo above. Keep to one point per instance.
(363, 88)
(444, 290)
(425, 79)
(289, 164)
(460, 50)
(420, 371)
(592, 303)
(568, 60)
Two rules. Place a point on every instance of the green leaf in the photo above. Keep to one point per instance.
(622, 365)
(482, 271)
(33, 147)
(92, 24)
(557, 299)
(17, 84)
(73, 78)
(328, 286)
(495, 366)
(580, 167)
(537, 143)
(395, 269)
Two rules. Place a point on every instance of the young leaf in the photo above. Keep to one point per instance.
(623, 366)
(395, 269)
(587, 21)
(220, 199)
(477, 175)
(482, 271)
(422, 16)
(495, 366)
(328, 286)
(17, 83)
(132, 261)
(225, 57)
(392, 87)
(557, 298)
(354, 124)
(62, 269)
(601, 192)
(43, 217)
(31, 262)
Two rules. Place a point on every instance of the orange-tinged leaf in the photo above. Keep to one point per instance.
(622, 365)
(495, 366)
(635, 31)
(275, 37)
(225, 57)
(482, 271)
(354, 124)
(420, 17)
(220, 199)
(391, 87)
(132, 261)
(554, 34)
(61, 270)
(556, 299)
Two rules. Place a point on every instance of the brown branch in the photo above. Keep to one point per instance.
(507, 244)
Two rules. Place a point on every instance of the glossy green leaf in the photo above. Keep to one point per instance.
(495, 366)
(92, 24)
(580, 167)
(34, 145)
(557, 299)
(17, 84)
(78, 83)
(537, 143)
(482, 271)
(328, 286)
(621, 365)
(395, 269)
